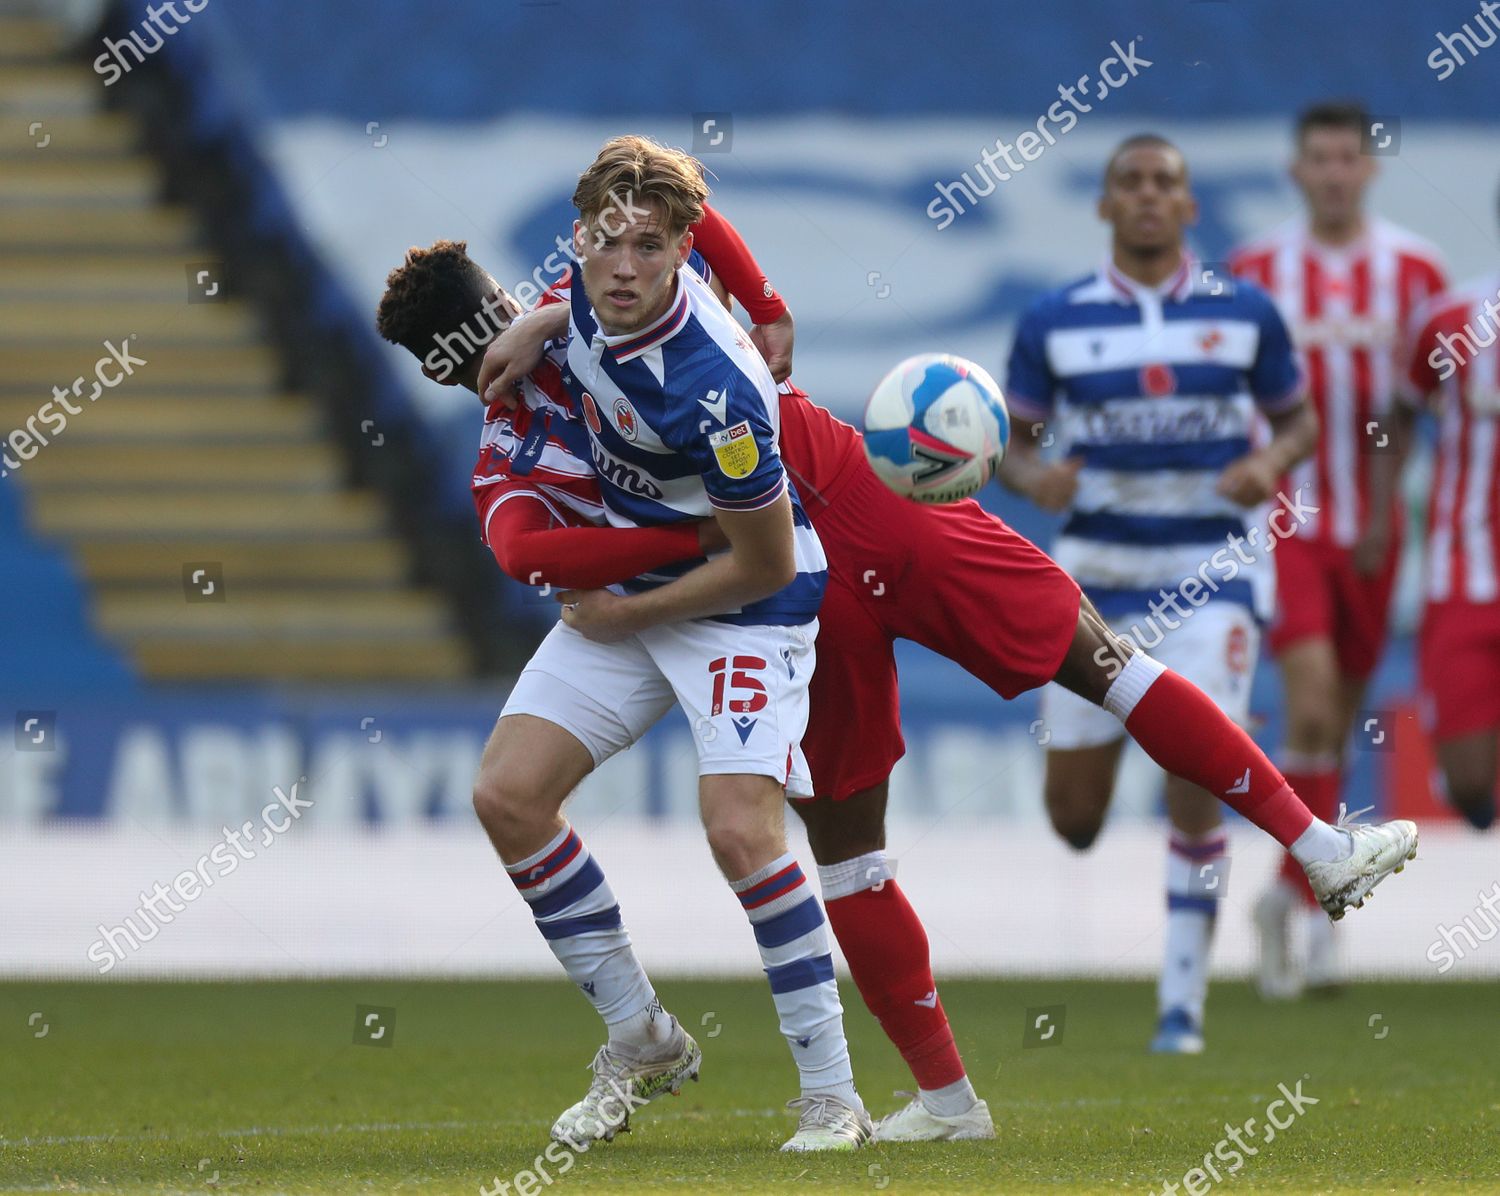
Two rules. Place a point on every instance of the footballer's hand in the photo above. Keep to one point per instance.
(514, 354)
(1055, 484)
(1373, 548)
(774, 340)
(1249, 481)
(598, 615)
(711, 537)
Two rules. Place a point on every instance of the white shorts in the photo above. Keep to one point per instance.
(743, 690)
(1216, 649)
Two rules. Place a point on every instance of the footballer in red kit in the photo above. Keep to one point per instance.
(1455, 371)
(1347, 284)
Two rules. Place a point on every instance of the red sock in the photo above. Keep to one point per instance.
(1319, 789)
(883, 940)
(1179, 727)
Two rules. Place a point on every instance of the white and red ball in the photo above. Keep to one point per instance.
(936, 428)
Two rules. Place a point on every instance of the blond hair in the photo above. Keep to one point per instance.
(631, 172)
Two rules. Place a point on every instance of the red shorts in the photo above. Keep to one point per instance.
(1459, 653)
(952, 578)
(1320, 595)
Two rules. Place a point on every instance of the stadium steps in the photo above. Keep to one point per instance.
(186, 418)
(199, 459)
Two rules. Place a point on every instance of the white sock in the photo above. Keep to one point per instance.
(1195, 875)
(1321, 843)
(793, 939)
(951, 1100)
(577, 913)
(855, 876)
(644, 1031)
(1126, 690)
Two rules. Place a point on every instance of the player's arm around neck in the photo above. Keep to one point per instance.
(761, 560)
(518, 350)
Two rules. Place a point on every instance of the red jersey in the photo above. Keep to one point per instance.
(1348, 309)
(1455, 361)
(818, 449)
(538, 450)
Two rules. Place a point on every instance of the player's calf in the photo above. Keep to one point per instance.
(742, 815)
(886, 947)
(1077, 789)
(1468, 769)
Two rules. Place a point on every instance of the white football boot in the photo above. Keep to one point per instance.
(914, 1123)
(1375, 853)
(624, 1083)
(828, 1123)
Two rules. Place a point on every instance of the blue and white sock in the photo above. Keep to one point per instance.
(793, 939)
(576, 911)
(1195, 876)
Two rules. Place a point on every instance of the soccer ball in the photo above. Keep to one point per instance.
(936, 428)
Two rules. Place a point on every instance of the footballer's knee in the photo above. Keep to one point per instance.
(1095, 657)
(741, 846)
(1476, 804)
(511, 812)
(1076, 816)
(1313, 728)
(1472, 795)
(845, 830)
(743, 821)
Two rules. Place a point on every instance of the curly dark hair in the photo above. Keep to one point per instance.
(432, 294)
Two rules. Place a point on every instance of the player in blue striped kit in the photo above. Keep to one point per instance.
(1160, 378)
(682, 417)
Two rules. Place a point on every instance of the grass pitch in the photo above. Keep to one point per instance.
(262, 1088)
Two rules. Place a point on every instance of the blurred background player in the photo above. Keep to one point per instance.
(1155, 375)
(1455, 365)
(1347, 283)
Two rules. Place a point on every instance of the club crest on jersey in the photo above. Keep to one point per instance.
(591, 414)
(625, 421)
(1158, 380)
(735, 450)
(1237, 651)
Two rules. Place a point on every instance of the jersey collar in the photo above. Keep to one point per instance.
(1176, 288)
(631, 345)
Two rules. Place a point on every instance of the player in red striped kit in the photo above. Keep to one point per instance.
(1455, 368)
(972, 568)
(1347, 284)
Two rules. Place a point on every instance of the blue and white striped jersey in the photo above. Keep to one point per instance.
(683, 419)
(1156, 389)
